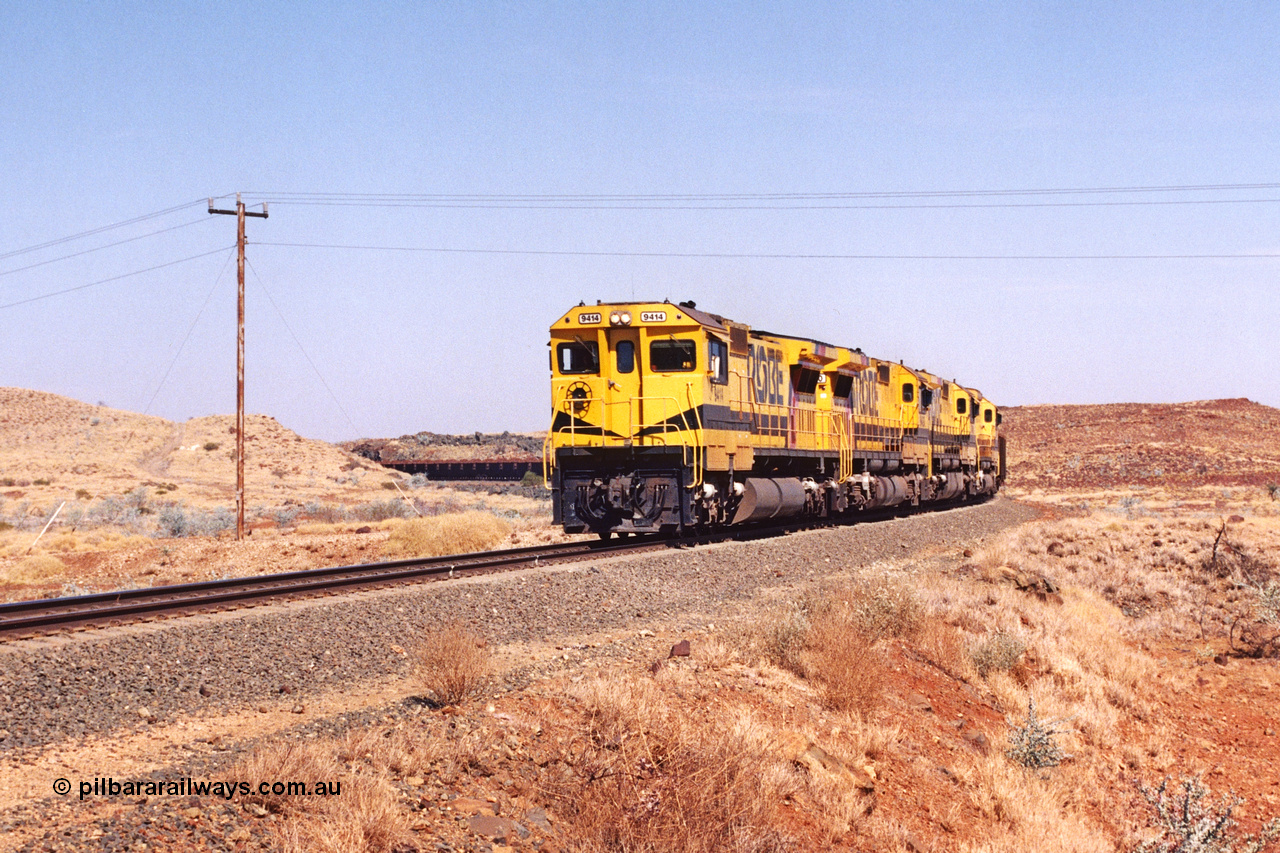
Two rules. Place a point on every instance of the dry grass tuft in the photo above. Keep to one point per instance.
(832, 638)
(999, 651)
(714, 654)
(847, 626)
(364, 816)
(642, 778)
(453, 663)
(878, 605)
(393, 752)
(37, 569)
(284, 762)
(367, 818)
(779, 637)
(847, 665)
(943, 645)
(439, 535)
(1020, 812)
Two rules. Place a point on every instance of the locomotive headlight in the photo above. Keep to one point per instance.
(626, 318)
(615, 319)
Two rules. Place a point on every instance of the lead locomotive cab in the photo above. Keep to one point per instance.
(629, 387)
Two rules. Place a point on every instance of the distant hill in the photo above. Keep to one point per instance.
(1211, 442)
(52, 447)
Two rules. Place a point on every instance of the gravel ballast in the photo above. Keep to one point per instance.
(99, 682)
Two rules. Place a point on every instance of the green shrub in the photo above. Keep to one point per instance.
(1031, 744)
(1190, 823)
(211, 445)
(175, 521)
(382, 510)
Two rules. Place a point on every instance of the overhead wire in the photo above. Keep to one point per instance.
(777, 255)
(190, 329)
(301, 348)
(787, 195)
(770, 201)
(91, 232)
(519, 205)
(80, 287)
(100, 248)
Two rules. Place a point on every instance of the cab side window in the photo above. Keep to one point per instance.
(987, 415)
(673, 356)
(578, 357)
(908, 392)
(962, 406)
(843, 385)
(718, 361)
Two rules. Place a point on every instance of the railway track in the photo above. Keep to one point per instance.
(43, 616)
(21, 619)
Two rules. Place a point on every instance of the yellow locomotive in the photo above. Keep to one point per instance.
(666, 418)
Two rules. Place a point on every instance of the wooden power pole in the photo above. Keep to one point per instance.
(240, 213)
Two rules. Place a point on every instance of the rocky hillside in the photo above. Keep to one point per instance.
(56, 448)
(1210, 442)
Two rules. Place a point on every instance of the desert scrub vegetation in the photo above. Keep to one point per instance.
(1017, 811)
(1178, 577)
(363, 816)
(847, 628)
(176, 521)
(833, 637)
(1033, 742)
(37, 569)
(998, 651)
(1186, 819)
(643, 778)
(623, 759)
(644, 773)
(452, 663)
(1072, 655)
(446, 534)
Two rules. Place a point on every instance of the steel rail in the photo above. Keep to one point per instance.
(49, 615)
(21, 618)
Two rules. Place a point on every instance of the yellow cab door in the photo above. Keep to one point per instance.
(908, 395)
(624, 415)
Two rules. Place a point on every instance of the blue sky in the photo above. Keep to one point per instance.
(114, 111)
